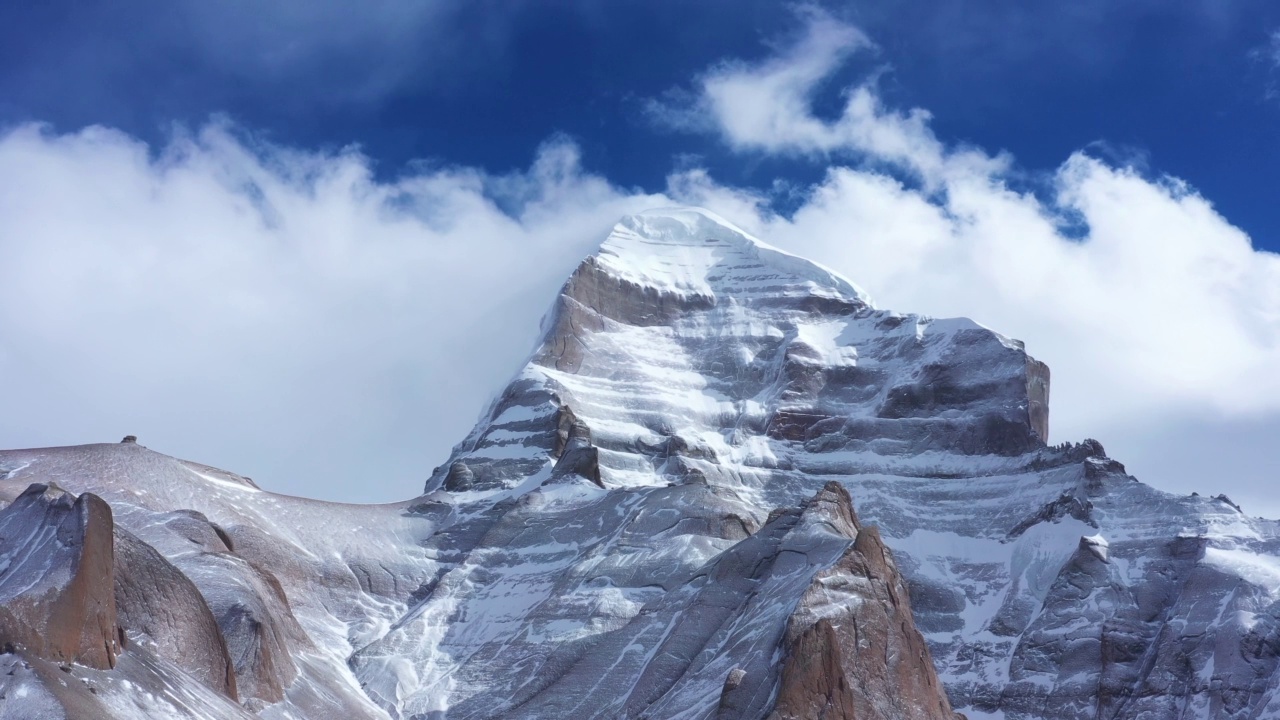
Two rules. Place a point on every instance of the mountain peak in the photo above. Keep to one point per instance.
(693, 251)
(686, 347)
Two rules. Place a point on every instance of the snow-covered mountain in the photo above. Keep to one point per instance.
(725, 485)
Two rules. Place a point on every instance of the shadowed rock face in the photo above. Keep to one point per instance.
(689, 354)
(75, 587)
(202, 555)
(57, 598)
(850, 650)
(156, 603)
(242, 606)
(1038, 397)
(260, 631)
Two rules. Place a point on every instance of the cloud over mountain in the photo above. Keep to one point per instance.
(266, 306)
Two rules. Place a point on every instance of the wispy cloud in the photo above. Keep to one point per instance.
(1268, 56)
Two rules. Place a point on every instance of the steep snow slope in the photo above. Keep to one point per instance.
(624, 534)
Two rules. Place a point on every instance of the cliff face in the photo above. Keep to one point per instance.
(852, 650)
(655, 519)
(166, 611)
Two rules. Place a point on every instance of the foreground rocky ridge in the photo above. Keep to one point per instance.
(654, 520)
(131, 635)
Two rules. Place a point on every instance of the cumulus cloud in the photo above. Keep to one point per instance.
(274, 311)
(1155, 312)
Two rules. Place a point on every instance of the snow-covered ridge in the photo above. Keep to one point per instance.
(692, 250)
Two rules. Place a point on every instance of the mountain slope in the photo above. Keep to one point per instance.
(650, 521)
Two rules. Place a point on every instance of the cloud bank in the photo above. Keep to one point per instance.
(282, 313)
(270, 310)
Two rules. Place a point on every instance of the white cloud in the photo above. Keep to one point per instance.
(285, 314)
(767, 107)
(1159, 318)
(276, 312)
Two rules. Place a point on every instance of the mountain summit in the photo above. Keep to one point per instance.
(724, 485)
(685, 339)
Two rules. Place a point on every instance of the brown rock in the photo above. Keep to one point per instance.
(57, 598)
(813, 680)
(155, 599)
(852, 648)
(573, 450)
(570, 431)
(731, 703)
(592, 299)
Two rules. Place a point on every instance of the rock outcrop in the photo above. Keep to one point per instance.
(57, 578)
(853, 651)
(157, 604)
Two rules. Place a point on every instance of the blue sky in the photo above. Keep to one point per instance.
(307, 243)
(1186, 88)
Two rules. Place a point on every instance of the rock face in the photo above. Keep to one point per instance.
(212, 573)
(655, 519)
(57, 576)
(853, 650)
(159, 605)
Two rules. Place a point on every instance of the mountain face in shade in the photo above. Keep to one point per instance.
(724, 486)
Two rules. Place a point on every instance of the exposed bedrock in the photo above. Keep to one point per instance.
(165, 609)
(216, 612)
(683, 321)
(251, 609)
(1038, 397)
(77, 589)
(852, 651)
(57, 599)
(628, 301)
(1104, 648)
(811, 587)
